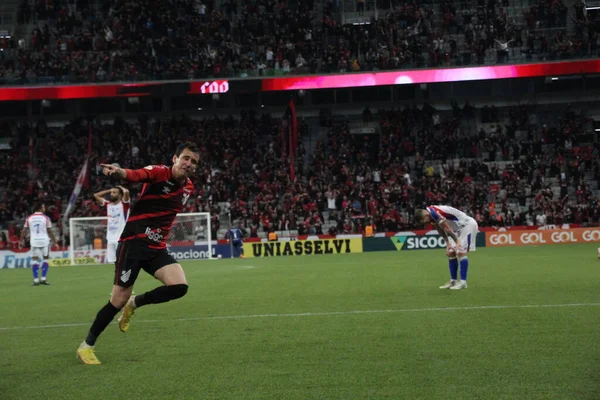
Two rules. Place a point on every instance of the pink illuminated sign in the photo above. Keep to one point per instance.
(431, 76)
(237, 85)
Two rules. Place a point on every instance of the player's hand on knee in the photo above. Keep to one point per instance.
(450, 251)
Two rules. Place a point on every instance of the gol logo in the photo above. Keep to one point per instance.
(504, 239)
(532, 238)
(517, 238)
(563, 237)
(591, 236)
(499, 239)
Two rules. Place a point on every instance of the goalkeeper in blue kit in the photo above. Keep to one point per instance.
(236, 238)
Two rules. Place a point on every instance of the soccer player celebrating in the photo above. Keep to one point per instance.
(39, 239)
(143, 242)
(460, 232)
(116, 210)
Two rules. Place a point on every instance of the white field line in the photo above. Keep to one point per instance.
(315, 314)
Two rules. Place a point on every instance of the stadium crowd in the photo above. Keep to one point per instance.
(166, 39)
(343, 184)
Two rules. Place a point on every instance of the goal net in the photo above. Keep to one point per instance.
(189, 239)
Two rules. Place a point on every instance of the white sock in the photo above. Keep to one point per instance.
(85, 345)
(36, 280)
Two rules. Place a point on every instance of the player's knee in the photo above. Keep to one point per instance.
(178, 291)
(118, 301)
(119, 296)
(461, 256)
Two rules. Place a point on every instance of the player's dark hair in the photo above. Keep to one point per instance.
(191, 146)
(38, 206)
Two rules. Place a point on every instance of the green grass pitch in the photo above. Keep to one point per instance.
(357, 326)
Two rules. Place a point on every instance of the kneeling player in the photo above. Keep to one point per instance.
(460, 232)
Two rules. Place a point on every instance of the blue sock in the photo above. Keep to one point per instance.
(464, 267)
(35, 269)
(44, 269)
(453, 265)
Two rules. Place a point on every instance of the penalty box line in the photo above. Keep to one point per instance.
(317, 314)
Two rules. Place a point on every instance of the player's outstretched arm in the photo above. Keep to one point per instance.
(99, 197)
(146, 174)
(111, 170)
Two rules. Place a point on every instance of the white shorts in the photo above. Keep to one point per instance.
(111, 252)
(467, 237)
(40, 252)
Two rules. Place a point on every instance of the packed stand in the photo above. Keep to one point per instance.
(181, 39)
(502, 178)
(495, 180)
(240, 162)
(186, 39)
(415, 35)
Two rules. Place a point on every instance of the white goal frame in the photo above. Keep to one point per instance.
(208, 233)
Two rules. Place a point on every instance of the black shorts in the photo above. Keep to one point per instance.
(134, 255)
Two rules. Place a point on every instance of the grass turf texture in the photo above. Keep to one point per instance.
(176, 351)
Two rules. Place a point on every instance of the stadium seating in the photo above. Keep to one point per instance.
(92, 41)
(515, 165)
(519, 167)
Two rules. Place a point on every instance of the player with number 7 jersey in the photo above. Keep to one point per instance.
(143, 243)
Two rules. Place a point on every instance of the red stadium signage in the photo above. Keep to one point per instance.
(159, 89)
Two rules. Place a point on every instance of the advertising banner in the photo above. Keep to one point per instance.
(543, 237)
(12, 259)
(407, 241)
(199, 252)
(22, 259)
(303, 247)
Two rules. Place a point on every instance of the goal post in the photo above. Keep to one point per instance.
(190, 238)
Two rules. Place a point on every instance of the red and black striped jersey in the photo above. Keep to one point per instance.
(152, 216)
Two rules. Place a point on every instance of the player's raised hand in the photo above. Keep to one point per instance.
(109, 169)
(113, 170)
